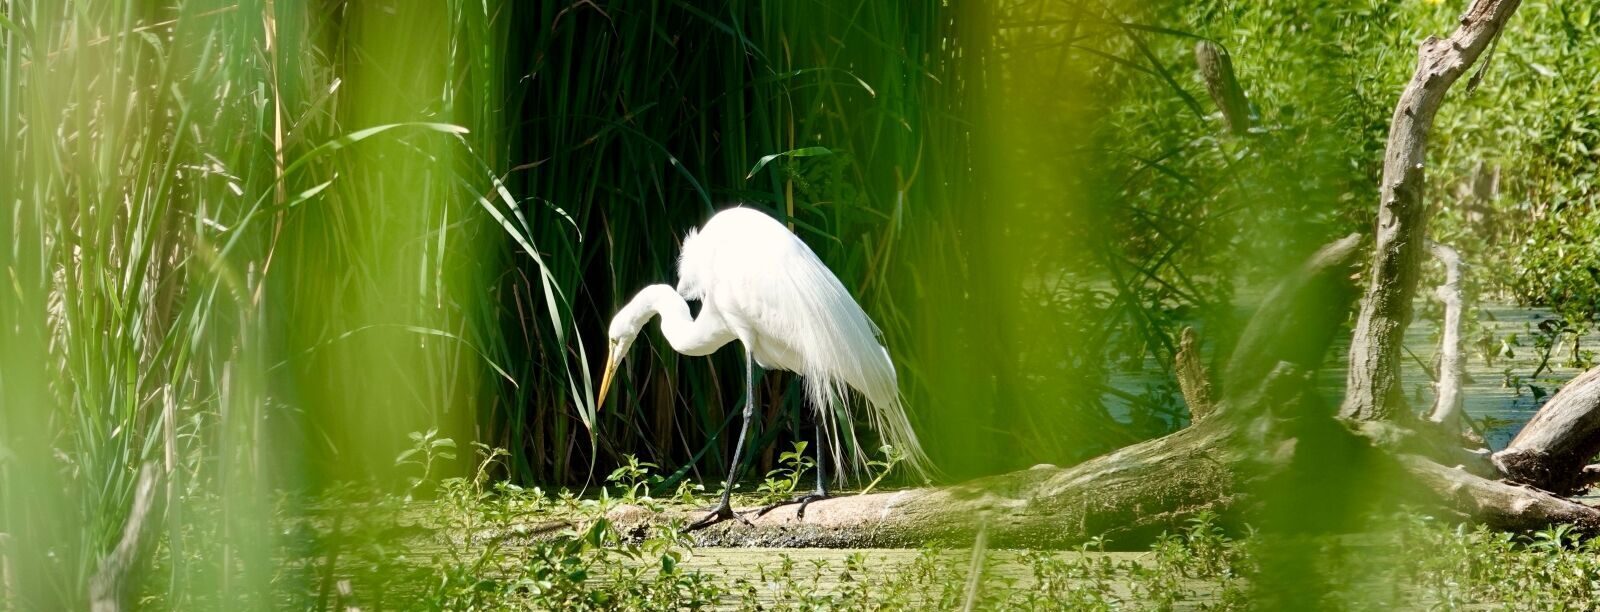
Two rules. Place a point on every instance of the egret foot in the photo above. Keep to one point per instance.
(803, 500)
(721, 513)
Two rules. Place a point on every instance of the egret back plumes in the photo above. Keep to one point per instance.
(794, 314)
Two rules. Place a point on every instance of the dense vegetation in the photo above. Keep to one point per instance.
(256, 244)
(493, 545)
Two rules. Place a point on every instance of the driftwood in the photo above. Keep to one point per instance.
(1372, 386)
(1520, 487)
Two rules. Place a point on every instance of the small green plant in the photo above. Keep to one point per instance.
(687, 491)
(1490, 422)
(634, 477)
(1545, 340)
(1552, 539)
(1209, 547)
(426, 449)
(891, 457)
(783, 480)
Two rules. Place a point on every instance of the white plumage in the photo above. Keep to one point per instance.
(779, 298)
(760, 284)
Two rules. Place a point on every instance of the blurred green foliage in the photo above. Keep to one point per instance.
(256, 243)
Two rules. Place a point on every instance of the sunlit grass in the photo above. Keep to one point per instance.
(211, 199)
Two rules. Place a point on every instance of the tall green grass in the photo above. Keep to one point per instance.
(229, 228)
(256, 243)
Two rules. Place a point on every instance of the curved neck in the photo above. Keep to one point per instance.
(690, 336)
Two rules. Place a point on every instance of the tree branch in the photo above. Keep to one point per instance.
(1193, 379)
(1297, 319)
(1452, 368)
(1216, 69)
(1373, 390)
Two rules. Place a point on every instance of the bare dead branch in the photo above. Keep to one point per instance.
(1452, 368)
(1297, 319)
(1193, 379)
(1373, 390)
(1216, 69)
(109, 587)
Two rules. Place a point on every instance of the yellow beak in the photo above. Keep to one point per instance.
(605, 382)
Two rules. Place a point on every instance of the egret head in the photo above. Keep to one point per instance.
(624, 328)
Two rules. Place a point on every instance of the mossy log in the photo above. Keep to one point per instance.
(1129, 495)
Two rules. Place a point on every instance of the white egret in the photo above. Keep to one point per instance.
(758, 283)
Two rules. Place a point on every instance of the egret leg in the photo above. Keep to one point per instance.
(821, 491)
(724, 509)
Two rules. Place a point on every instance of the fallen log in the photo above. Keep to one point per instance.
(1130, 495)
(1497, 504)
(1552, 450)
(1230, 464)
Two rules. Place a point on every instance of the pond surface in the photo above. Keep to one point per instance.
(1503, 391)
(789, 575)
(1500, 393)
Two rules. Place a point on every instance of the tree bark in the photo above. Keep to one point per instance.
(1373, 390)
